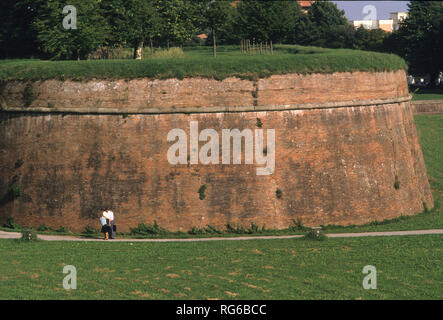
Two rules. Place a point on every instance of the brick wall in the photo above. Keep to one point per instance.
(427, 106)
(336, 163)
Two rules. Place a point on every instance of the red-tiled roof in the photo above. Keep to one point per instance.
(305, 4)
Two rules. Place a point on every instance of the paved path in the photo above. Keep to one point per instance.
(16, 235)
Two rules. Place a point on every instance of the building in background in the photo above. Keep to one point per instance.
(305, 4)
(397, 18)
(389, 25)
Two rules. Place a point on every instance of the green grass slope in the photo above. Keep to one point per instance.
(198, 62)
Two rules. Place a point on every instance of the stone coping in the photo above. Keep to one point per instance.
(215, 109)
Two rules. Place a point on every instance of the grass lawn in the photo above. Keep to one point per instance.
(427, 94)
(408, 267)
(199, 62)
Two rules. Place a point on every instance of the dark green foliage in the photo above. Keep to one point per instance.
(259, 123)
(371, 40)
(315, 235)
(89, 230)
(201, 192)
(10, 224)
(267, 20)
(425, 207)
(28, 95)
(253, 229)
(58, 43)
(419, 39)
(212, 230)
(196, 231)
(62, 229)
(15, 192)
(340, 36)
(43, 228)
(297, 225)
(134, 22)
(17, 37)
(18, 163)
(216, 15)
(179, 19)
(278, 193)
(326, 19)
(143, 229)
(29, 235)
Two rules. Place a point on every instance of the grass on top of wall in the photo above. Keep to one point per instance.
(198, 62)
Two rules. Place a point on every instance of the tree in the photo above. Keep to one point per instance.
(340, 36)
(132, 22)
(325, 15)
(267, 20)
(60, 43)
(216, 15)
(371, 40)
(179, 19)
(17, 39)
(419, 38)
(305, 31)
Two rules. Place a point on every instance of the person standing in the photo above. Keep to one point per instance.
(105, 227)
(108, 214)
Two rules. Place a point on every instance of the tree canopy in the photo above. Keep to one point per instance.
(33, 28)
(420, 38)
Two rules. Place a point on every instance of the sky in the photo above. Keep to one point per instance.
(354, 9)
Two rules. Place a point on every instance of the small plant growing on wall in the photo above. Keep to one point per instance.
(18, 163)
(44, 227)
(10, 224)
(89, 230)
(297, 225)
(14, 192)
(278, 193)
(28, 95)
(62, 229)
(259, 123)
(201, 192)
(143, 229)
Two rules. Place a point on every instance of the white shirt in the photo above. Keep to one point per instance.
(109, 215)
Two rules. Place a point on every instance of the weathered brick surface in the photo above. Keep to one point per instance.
(323, 88)
(427, 107)
(197, 93)
(333, 166)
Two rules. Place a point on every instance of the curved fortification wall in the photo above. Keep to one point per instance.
(346, 151)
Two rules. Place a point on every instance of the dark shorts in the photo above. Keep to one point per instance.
(106, 228)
